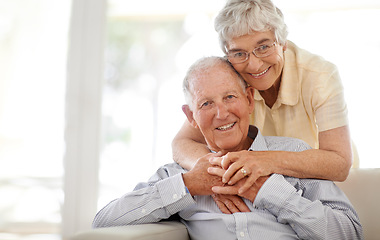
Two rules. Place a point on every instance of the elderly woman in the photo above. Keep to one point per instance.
(298, 94)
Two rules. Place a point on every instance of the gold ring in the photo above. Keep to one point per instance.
(244, 172)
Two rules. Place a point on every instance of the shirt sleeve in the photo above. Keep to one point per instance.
(328, 101)
(149, 202)
(315, 209)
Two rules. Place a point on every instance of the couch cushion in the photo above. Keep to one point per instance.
(362, 188)
(158, 231)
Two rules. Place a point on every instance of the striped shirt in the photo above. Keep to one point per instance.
(284, 208)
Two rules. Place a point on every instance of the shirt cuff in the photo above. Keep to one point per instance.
(274, 194)
(173, 194)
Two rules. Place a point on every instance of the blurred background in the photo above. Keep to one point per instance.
(90, 95)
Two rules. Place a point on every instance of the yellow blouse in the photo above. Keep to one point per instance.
(310, 100)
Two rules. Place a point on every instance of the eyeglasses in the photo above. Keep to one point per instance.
(259, 52)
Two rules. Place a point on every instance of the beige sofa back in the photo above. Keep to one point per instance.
(363, 189)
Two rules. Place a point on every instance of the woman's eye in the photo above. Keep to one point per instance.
(263, 48)
(239, 55)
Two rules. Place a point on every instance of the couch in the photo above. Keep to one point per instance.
(362, 188)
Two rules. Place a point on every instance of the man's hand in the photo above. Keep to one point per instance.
(198, 181)
(230, 203)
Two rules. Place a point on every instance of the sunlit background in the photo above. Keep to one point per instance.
(148, 47)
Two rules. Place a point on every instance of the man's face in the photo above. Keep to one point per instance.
(221, 109)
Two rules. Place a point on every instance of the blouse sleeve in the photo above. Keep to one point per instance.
(328, 101)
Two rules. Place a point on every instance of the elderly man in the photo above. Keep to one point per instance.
(219, 104)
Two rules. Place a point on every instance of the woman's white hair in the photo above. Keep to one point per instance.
(242, 17)
(201, 67)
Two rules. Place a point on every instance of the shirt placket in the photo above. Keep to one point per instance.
(241, 226)
(276, 119)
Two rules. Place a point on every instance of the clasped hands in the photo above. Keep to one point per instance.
(220, 175)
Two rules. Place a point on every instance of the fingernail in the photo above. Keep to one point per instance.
(224, 180)
(230, 183)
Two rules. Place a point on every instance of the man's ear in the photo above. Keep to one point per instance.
(250, 96)
(189, 115)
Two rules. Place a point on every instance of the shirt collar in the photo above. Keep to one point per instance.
(259, 143)
(290, 86)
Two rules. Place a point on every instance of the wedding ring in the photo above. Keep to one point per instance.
(244, 172)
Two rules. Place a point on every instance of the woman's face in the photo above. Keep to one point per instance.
(261, 73)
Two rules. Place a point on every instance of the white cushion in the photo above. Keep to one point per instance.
(157, 231)
(362, 187)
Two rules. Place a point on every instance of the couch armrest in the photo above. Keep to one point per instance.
(362, 188)
(172, 230)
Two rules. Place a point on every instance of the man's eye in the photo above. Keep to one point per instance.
(205, 104)
(230, 97)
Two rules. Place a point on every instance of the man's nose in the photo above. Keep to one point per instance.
(222, 111)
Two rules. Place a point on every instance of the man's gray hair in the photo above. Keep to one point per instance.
(242, 17)
(204, 66)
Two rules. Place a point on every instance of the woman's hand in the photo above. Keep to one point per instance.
(242, 164)
(234, 190)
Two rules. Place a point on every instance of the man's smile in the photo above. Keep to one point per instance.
(226, 127)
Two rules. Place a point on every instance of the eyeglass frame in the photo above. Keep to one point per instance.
(254, 53)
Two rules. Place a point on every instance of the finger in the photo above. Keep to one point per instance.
(248, 184)
(216, 161)
(217, 171)
(240, 204)
(220, 204)
(238, 176)
(223, 207)
(227, 190)
(231, 206)
(226, 161)
(231, 172)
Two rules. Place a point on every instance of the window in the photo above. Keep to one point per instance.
(33, 40)
(149, 47)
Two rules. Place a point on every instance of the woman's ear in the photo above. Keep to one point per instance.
(250, 96)
(285, 46)
(189, 115)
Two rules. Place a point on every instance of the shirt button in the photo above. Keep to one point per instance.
(143, 210)
(175, 196)
(242, 234)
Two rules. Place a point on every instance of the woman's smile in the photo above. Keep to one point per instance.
(261, 74)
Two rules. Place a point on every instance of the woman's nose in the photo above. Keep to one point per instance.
(254, 63)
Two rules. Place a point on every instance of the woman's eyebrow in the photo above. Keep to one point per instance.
(257, 43)
(263, 41)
